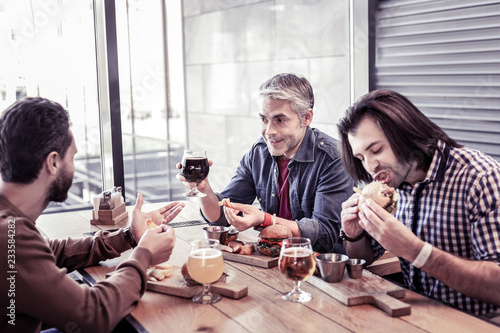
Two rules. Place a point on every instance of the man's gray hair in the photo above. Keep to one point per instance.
(289, 87)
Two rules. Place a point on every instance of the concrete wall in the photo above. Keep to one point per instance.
(231, 47)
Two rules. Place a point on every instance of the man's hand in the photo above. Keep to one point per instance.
(393, 235)
(208, 204)
(189, 186)
(160, 242)
(159, 216)
(349, 217)
(252, 216)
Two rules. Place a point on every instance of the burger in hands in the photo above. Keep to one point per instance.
(381, 193)
(271, 239)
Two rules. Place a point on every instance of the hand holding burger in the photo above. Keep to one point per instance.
(381, 193)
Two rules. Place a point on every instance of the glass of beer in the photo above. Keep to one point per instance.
(205, 265)
(194, 168)
(297, 263)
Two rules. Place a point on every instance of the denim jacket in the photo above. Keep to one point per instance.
(318, 186)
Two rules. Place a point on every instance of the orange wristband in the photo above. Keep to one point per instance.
(268, 220)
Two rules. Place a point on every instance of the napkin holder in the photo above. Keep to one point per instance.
(110, 217)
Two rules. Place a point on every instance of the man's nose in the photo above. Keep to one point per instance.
(270, 129)
(371, 165)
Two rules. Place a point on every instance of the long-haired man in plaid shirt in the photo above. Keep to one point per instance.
(446, 229)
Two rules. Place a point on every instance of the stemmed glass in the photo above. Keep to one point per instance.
(297, 264)
(194, 168)
(205, 265)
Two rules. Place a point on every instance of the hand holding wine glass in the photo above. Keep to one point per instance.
(194, 168)
(297, 263)
(205, 265)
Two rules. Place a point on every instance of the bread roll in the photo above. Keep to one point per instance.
(246, 249)
(236, 246)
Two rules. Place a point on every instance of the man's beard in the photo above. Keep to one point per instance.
(58, 191)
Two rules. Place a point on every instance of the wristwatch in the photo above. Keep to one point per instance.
(128, 236)
(344, 237)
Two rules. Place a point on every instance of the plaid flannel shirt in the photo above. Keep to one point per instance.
(456, 209)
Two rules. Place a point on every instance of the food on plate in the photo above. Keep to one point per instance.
(246, 249)
(164, 266)
(191, 281)
(226, 248)
(186, 276)
(160, 271)
(233, 245)
(232, 236)
(225, 202)
(236, 246)
(381, 193)
(271, 239)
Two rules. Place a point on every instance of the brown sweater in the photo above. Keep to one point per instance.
(34, 287)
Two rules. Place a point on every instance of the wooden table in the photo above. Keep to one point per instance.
(262, 310)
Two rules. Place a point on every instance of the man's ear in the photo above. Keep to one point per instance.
(308, 117)
(52, 162)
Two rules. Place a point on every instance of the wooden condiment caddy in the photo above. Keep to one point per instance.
(110, 217)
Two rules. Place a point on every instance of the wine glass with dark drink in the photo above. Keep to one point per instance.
(195, 169)
(297, 263)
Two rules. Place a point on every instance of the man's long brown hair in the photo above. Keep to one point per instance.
(412, 136)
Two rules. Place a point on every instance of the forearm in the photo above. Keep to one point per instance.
(91, 309)
(474, 278)
(210, 205)
(360, 249)
(88, 251)
(292, 225)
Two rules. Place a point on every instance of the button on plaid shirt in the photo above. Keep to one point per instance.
(456, 209)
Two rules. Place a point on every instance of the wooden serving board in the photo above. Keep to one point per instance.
(254, 259)
(177, 286)
(370, 289)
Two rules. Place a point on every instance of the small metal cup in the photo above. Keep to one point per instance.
(355, 268)
(332, 266)
(233, 233)
(216, 232)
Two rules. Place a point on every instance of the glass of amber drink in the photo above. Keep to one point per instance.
(297, 263)
(205, 265)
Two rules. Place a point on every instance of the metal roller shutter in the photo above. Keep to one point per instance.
(445, 57)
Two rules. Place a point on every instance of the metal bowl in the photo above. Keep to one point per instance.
(355, 268)
(332, 266)
(216, 232)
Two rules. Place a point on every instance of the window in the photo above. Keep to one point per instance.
(152, 111)
(48, 50)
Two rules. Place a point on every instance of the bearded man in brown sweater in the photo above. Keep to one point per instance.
(37, 149)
